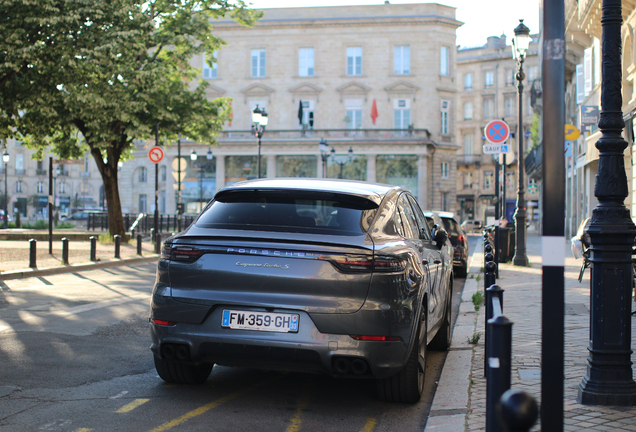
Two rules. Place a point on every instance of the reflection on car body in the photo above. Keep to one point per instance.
(332, 276)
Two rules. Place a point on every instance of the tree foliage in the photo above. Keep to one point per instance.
(97, 75)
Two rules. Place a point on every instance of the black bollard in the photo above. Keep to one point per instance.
(132, 233)
(65, 251)
(498, 360)
(93, 240)
(152, 235)
(117, 238)
(491, 292)
(157, 243)
(517, 410)
(32, 253)
(138, 244)
(489, 270)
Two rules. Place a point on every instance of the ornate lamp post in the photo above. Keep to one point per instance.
(341, 163)
(609, 379)
(520, 44)
(202, 167)
(259, 122)
(323, 146)
(5, 160)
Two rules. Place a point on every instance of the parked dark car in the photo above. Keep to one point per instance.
(332, 276)
(459, 242)
(472, 226)
(82, 214)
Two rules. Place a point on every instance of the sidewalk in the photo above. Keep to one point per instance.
(460, 399)
(14, 257)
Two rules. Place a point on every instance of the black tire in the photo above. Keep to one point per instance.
(442, 340)
(462, 270)
(179, 373)
(408, 384)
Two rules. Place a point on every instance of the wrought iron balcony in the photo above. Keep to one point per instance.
(469, 159)
(313, 134)
(40, 172)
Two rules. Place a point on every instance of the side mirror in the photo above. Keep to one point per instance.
(441, 237)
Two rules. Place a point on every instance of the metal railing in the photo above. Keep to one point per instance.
(143, 222)
(311, 134)
(506, 409)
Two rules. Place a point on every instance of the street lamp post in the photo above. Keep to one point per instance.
(323, 146)
(202, 167)
(259, 123)
(520, 44)
(609, 379)
(341, 163)
(5, 160)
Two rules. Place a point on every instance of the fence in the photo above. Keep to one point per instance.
(506, 409)
(144, 222)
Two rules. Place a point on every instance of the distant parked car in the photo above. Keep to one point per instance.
(459, 241)
(472, 226)
(82, 215)
(2, 218)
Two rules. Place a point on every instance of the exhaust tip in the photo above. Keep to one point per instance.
(341, 365)
(182, 352)
(168, 352)
(359, 367)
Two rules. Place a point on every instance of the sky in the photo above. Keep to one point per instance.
(481, 18)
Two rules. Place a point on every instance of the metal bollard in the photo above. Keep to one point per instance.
(152, 235)
(117, 238)
(93, 240)
(65, 251)
(138, 244)
(517, 410)
(489, 270)
(491, 292)
(496, 245)
(158, 243)
(498, 357)
(33, 253)
(132, 233)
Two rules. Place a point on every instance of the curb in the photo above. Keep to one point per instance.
(450, 403)
(26, 273)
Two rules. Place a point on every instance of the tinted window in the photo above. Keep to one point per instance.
(409, 223)
(421, 220)
(451, 227)
(291, 211)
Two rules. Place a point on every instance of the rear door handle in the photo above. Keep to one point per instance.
(424, 261)
(437, 261)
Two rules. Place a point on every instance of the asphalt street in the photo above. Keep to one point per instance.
(74, 350)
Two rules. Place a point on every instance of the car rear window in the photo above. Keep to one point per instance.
(289, 211)
(451, 227)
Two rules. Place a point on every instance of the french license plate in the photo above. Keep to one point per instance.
(260, 321)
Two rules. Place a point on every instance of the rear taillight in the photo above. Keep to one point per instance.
(163, 322)
(461, 238)
(388, 264)
(361, 263)
(377, 338)
(180, 253)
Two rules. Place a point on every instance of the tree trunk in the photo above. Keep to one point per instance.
(109, 173)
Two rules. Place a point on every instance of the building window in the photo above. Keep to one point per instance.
(444, 61)
(307, 121)
(210, 72)
(489, 79)
(468, 180)
(402, 60)
(86, 163)
(468, 144)
(297, 166)
(533, 74)
(468, 82)
(306, 62)
(399, 170)
(143, 175)
(62, 188)
(40, 187)
(19, 164)
(510, 77)
(258, 63)
(162, 173)
(143, 203)
(489, 108)
(468, 111)
(510, 180)
(444, 115)
(354, 61)
(18, 186)
(353, 116)
(401, 113)
(488, 179)
(509, 106)
(445, 170)
(444, 201)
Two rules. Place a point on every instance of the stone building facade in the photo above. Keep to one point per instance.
(378, 83)
(487, 90)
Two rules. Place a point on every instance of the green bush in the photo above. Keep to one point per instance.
(65, 224)
(39, 224)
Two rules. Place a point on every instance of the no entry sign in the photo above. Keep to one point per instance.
(497, 131)
(155, 154)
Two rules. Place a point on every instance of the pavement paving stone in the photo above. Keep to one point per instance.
(522, 305)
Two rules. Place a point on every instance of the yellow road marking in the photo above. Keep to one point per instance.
(369, 425)
(131, 406)
(83, 430)
(204, 408)
(303, 401)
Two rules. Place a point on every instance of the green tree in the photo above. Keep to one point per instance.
(107, 72)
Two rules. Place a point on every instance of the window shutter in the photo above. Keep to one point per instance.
(580, 79)
(587, 71)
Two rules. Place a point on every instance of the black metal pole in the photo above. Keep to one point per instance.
(156, 183)
(497, 194)
(50, 205)
(553, 239)
(6, 196)
(520, 258)
(609, 379)
(259, 134)
(179, 210)
(504, 203)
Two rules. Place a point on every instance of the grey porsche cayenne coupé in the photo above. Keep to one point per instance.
(332, 276)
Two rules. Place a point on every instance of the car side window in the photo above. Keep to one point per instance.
(411, 229)
(421, 220)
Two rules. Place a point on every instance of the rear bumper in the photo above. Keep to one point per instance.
(307, 350)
